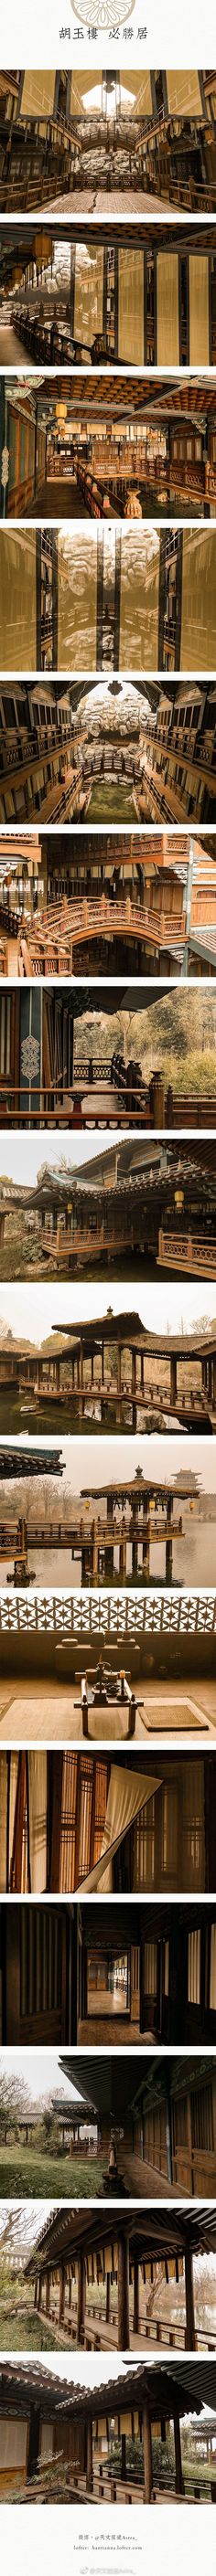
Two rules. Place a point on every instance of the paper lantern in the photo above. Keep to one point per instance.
(42, 248)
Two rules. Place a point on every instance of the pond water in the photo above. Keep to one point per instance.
(111, 801)
(193, 1559)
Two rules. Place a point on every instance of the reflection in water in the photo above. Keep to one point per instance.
(57, 1565)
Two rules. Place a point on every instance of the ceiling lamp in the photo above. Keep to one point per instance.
(61, 411)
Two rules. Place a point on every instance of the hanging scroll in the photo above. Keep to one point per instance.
(82, 83)
(167, 271)
(198, 620)
(199, 327)
(38, 94)
(18, 605)
(131, 304)
(184, 95)
(139, 601)
(139, 86)
(77, 601)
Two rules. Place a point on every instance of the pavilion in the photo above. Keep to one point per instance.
(44, 2418)
(139, 1512)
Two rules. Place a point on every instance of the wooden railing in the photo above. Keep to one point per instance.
(194, 1255)
(47, 948)
(58, 1244)
(189, 1109)
(152, 2330)
(106, 1099)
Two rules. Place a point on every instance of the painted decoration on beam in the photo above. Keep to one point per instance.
(30, 1051)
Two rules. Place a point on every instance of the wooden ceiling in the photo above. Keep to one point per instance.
(126, 400)
(18, 244)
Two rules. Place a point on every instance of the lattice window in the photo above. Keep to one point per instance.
(170, 1796)
(144, 1846)
(194, 1963)
(193, 1826)
(202, 2118)
(84, 1801)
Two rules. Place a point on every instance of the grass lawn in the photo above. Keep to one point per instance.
(25, 2333)
(25, 2171)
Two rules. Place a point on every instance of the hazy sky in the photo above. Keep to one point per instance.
(22, 1156)
(32, 1310)
(40, 2070)
(87, 1464)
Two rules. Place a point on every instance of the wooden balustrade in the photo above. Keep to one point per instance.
(194, 1255)
(105, 1099)
(47, 947)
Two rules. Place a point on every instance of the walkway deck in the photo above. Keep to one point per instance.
(102, 201)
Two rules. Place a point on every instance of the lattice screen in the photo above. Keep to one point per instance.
(129, 1615)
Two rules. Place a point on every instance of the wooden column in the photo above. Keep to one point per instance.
(173, 1377)
(95, 1553)
(147, 2453)
(123, 2457)
(89, 2455)
(136, 2316)
(123, 2295)
(47, 2297)
(107, 2298)
(62, 2295)
(33, 2441)
(81, 2299)
(119, 1356)
(169, 1543)
(189, 2300)
(178, 2457)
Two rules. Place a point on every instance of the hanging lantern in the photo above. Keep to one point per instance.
(42, 250)
(61, 411)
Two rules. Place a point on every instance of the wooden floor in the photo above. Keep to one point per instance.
(13, 352)
(57, 500)
(101, 201)
(108, 2033)
(46, 1713)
